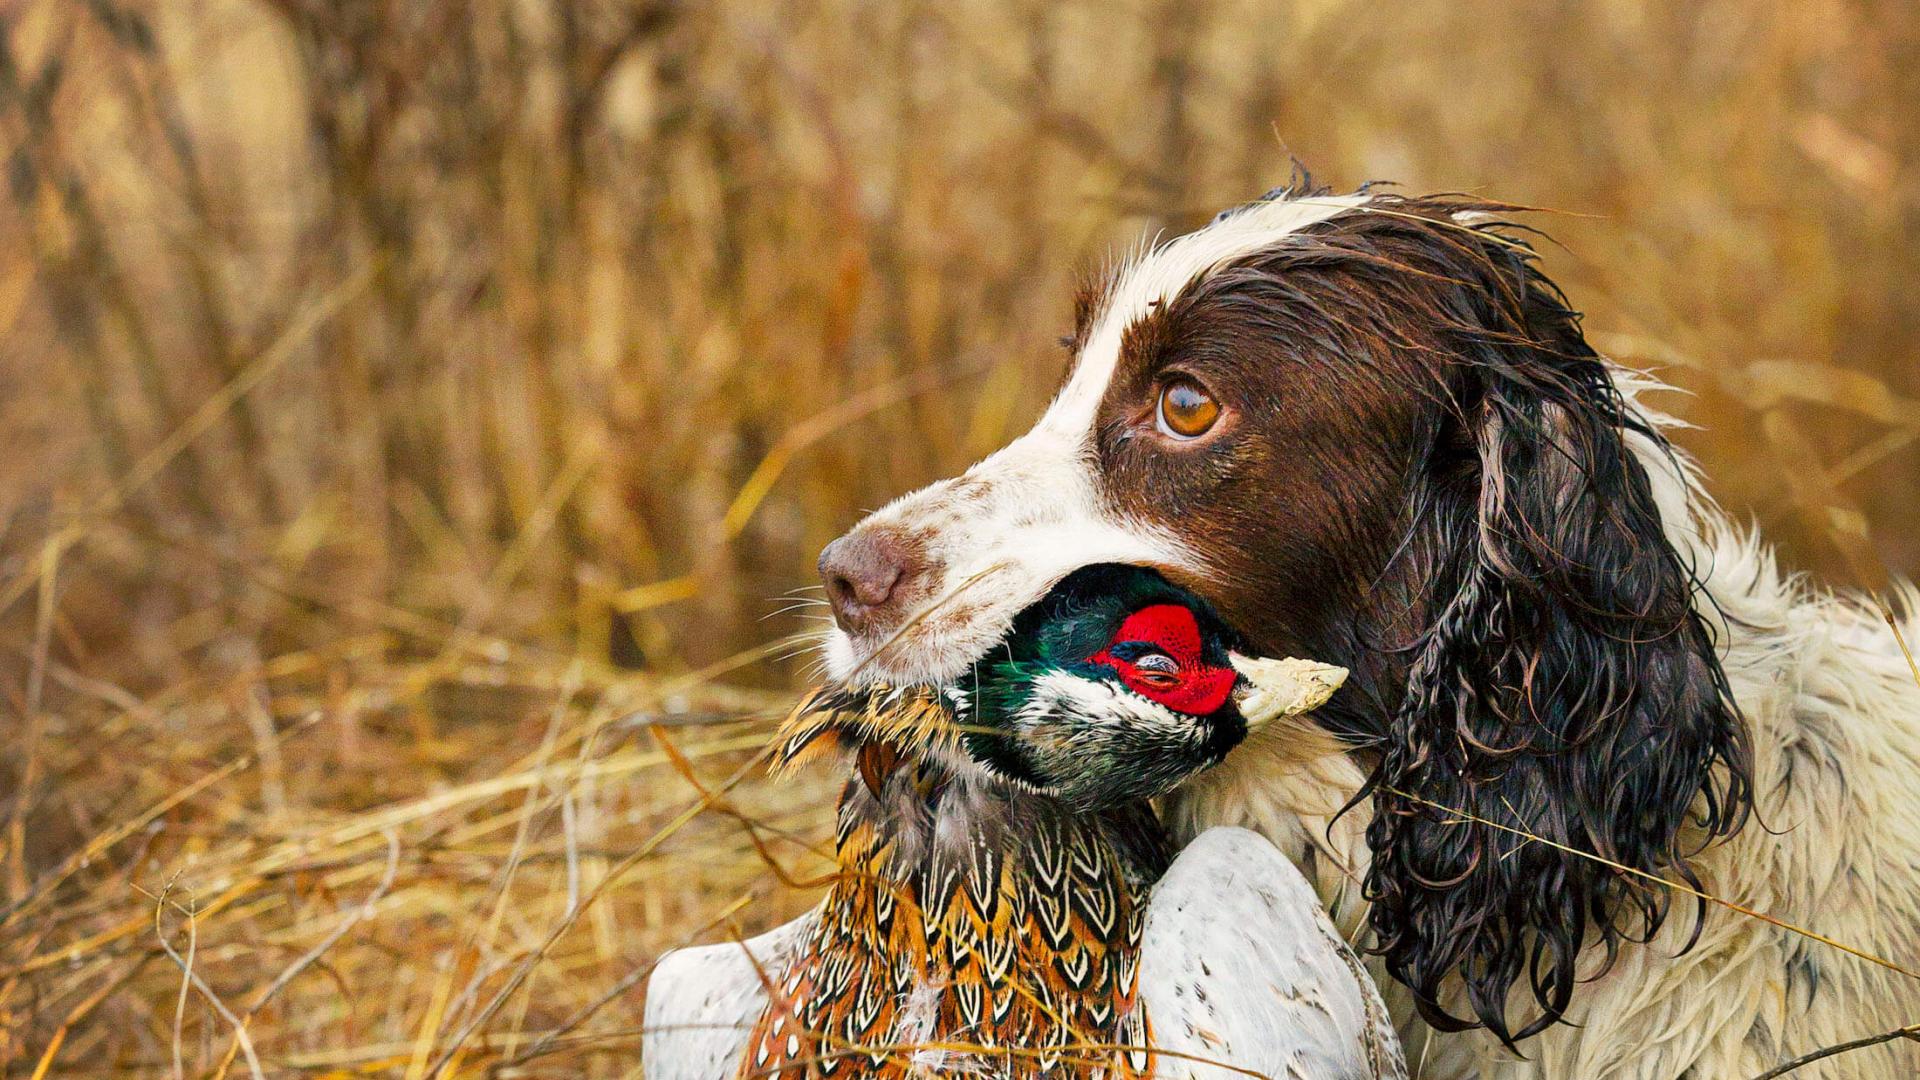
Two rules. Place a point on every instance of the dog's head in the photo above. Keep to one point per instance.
(1369, 431)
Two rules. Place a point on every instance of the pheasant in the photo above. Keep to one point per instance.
(1008, 904)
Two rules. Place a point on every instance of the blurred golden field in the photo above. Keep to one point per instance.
(418, 418)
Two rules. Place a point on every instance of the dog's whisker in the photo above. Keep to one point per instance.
(899, 635)
(793, 608)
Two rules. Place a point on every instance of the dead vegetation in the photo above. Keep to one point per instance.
(413, 412)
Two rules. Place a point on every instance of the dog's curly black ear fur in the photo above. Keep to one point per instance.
(1564, 709)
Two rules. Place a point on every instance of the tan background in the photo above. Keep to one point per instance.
(397, 399)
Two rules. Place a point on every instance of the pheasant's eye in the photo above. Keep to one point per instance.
(1157, 669)
(1159, 662)
(1186, 411)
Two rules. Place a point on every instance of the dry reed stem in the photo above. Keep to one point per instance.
(1910, 1032)
(420, 362)
(1656, 879)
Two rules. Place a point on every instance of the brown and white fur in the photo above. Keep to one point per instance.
(1420, 471)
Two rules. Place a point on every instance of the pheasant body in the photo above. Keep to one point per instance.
(973, 928)
(997, 849)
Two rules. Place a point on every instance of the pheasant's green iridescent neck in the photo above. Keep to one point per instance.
(1113, 689)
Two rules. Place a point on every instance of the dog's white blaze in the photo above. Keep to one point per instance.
(1030, 514)
(1004, 533)
(1161, 274)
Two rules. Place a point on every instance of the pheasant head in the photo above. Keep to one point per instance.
(997, 844)
(1114, 688)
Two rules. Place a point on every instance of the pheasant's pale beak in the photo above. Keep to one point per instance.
(1287, 687)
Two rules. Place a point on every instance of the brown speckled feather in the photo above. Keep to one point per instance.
(970, 925)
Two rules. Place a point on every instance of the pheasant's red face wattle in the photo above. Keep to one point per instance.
(1157, 652)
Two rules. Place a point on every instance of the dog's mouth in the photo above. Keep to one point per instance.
(1121, 588)
(1115, 685)
(941, 642)
(1070, 624)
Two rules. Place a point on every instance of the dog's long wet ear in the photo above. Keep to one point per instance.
(1563, 687)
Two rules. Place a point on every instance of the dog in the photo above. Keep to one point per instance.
(1585, 705)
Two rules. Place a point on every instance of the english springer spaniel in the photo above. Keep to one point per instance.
(1370, 431)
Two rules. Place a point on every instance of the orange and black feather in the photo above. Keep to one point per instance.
(994, 928)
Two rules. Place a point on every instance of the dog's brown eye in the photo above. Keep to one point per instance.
(1186, 409)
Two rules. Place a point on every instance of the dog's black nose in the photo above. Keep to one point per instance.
(862, 571)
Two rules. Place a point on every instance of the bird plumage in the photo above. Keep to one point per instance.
(971, 925)
(1240, 972)
(998, 855)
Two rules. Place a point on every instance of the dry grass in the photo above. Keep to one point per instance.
(407, 406)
